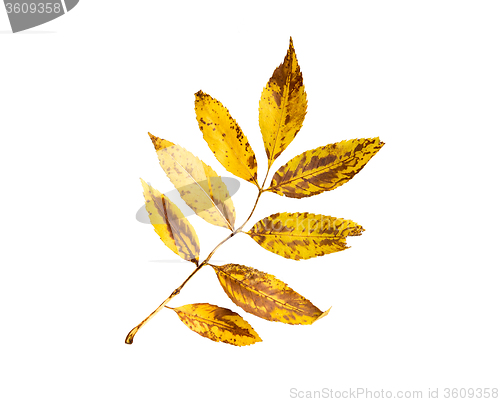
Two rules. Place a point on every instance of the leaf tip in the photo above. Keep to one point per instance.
(155, 140)
(200, 94)
(145, 186)
(324, 314)
(151, 136)
(378, 142)
(159, 143)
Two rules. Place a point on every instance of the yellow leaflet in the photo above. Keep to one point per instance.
(300, 236)
(282, 106)
(225, 138)
(323, 168)
(265, 296)
(171, 225)
(198, 184)
(217, 323)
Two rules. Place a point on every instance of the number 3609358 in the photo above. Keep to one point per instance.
(33, 8)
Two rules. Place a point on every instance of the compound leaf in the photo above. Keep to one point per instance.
(217, 324)
(301, 236)
(171, 225)
(282, 106)
(266, 296)
(198, 184)
(225, 138)
(324, 168)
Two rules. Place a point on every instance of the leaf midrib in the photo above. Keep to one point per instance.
(216, 323)
(235, 142)
(179, 234)
(287, 87)
(314, 172)
(274, 234)
(204, 192)
(290, 307)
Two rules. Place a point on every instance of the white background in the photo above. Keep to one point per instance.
(415, 299)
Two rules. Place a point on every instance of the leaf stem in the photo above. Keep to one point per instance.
(265, 178)
(251, 213)
(215, 249)
(130, 337)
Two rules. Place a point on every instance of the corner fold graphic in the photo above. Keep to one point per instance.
(70, 4)
(28, 13)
